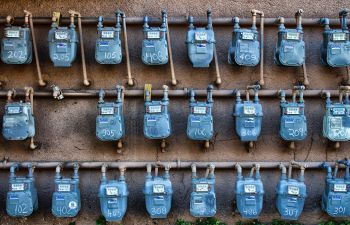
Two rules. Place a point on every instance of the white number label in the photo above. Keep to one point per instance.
(110, 55)
(158, 188)
(290, 212)
(61, 57)
(108, 132)
(111, 191)
(107, 34)
(16, 54)
(158, 211)
(292, 36)
(63, 210)
(12, 33)
(153, 34)
(249, 188)
(63, 187)
(292, 111)
(21, 209)
(154, 109)
(340, 187)
(339, 37)
(251, 212)
(249, 110)
(107, 111)
(199, 110)
(17, 187)
(247, 36)
(200, 36)
(202, 187)
(293, 190)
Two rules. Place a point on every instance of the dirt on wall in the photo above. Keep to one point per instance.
(66, 129)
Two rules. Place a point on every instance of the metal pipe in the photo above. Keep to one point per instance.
(172, 93)
(220, 21)
(173, 164)
(126, 47)
(170, 52)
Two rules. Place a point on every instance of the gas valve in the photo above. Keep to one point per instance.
(63, 42)
(248, 116)
(291, 193)
(293, 126)
(108, 45)
(200, 120)
(18, 121)
(16, 46)
(57, 92)
(336, 196)
(249, 193)
(66, 198)
(158, 193)
(203, 198)
(154, 44)
(200, 43)
(22, 197)
(335, 50)
(336, 121)
(113, 196)
(110, 120)
(156, 123)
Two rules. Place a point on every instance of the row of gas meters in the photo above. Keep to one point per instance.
(244, 50)
(19, 123)
(22, 198)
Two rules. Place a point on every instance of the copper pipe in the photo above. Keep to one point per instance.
(172, 71)
(86, 82)
(262, 18)
(348, 73)
(220, 21)
(173, 93)
(126, 46)
(11, 94)
(41, 82)
(172, 164)
(30, 97)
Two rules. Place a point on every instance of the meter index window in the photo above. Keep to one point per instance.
(200, 110)
(292, 110)
(249, 110)
(107, 110)
(153, 34)
(202, 187)
(61, 35)
(63, 187)
(111, 191)
(13, 110)
(339, 37)
(249, 188)
(292, 36)
(12, 33)
(158, 189)
(340, 188)
(247, 36)
(17, 187)
(154, 109)
(107, 34)
(293, 190)
(200, 36)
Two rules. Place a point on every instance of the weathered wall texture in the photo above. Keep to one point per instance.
(66, 129)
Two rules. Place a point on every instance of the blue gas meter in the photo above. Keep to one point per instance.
(16, 46)
(108, 45)
(335, 50)
(203, 198)
(66, 198)
(200, 43)
(113, 196)
(249, 193)
(248, 116)
(290, 47)
(158, 193)
(154, 44)
(293, 125)
(200, 120)
(156, 123)
(18, 121)
(110, 120)
(336, 121)
(336, 196)
(291, 193)
(244, 48)
(63, 42)
(22, 197)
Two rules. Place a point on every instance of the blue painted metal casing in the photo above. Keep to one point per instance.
(290, 47)
(291, 194)
(108, 44)
(113, 196)
(244, 48)
(63, 44)
(158, 194)
(18, 121)
(200, 120)
(66, 198)
(22, 197)
(200, 43)
(110, 120)
(336, 121)
(16, 45)
(156, 123)
(249, 193)
(335, 49)
(293, 126)
(336, 196)
(154, 44)
(203, 198)
(248, 118)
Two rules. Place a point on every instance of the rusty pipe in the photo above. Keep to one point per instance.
(41, 82)
(126, 46)
(11, 94)
(86, 82)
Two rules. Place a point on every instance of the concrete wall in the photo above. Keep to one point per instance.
(66, 129)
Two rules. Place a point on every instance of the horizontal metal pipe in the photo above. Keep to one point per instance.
(173, 164)
(220, 21)
(172, 93)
